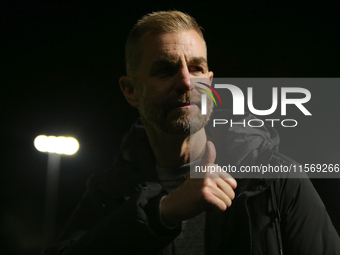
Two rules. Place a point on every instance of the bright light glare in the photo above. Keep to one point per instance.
(60, 144)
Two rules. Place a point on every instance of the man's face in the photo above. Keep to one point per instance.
(167, 102)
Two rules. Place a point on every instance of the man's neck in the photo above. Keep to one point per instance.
(176, 150)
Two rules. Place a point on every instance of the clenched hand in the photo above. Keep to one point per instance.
(196, 195)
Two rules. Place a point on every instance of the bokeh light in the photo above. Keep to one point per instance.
(53, 144)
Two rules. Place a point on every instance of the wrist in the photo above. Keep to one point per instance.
(167, 216)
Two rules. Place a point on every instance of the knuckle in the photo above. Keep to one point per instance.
(223, 207)
(234, 183)
(228, 202)
(205, 192)
(207, 182)
(232, 195)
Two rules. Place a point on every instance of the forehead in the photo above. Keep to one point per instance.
(173, 46)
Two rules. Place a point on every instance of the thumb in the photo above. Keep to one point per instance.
(210, 154)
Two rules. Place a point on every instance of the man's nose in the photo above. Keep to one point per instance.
(183, 80)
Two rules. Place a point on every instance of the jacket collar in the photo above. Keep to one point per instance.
(135, 161)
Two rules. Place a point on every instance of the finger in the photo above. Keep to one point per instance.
(210, 154)
(220, 190)
(226, 188)
(231, 181)
(228, 179)
(215, 198)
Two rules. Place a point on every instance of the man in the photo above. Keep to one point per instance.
(147, 204)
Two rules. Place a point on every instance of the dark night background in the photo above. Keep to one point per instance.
(60, 65)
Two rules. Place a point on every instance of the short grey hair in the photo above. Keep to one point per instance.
(155, 23)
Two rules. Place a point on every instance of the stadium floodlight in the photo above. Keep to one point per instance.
(55, 146)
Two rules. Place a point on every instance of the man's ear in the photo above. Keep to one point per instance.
(129, 90)
(211, 75)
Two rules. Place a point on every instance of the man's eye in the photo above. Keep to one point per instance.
(166, 71)
(195, 69)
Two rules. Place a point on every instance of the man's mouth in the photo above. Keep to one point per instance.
(187, 105)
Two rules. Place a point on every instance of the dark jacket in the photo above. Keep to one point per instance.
(119, 213)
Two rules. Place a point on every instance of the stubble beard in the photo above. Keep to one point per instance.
(165, 118)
